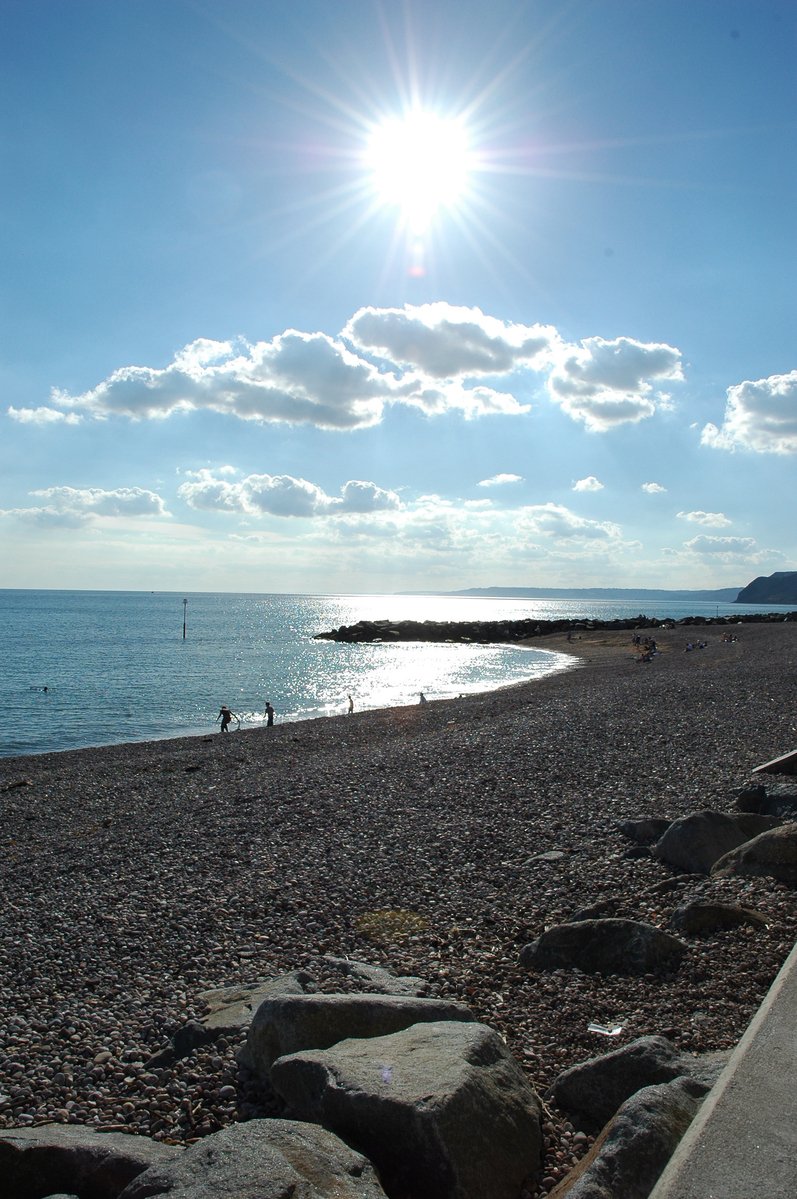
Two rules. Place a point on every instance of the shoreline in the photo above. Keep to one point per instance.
(591, 639)
(290, 719)
(140, 875)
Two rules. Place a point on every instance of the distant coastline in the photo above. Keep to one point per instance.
(723, 595)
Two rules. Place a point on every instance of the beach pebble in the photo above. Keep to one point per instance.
(132, 886)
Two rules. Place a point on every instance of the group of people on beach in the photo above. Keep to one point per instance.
(226, 717)
(646, 648)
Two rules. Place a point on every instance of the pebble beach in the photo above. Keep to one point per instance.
(435, 840)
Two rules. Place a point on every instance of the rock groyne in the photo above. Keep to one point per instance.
(491, 632)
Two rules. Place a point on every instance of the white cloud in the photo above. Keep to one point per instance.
(471, 401)
(284, 495)
(435, 357)
(588, 484)
(500, 480)
(759, 416)
(714, 520)
(297, 378)
(43, 416)
(201, 474)
(554, 520)
(653, 488)
(728, 546)
(46, 517)
(443, 341)
(607, 383)
(95, 501)
(69, 507)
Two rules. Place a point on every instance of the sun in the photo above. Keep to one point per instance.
(420, 163)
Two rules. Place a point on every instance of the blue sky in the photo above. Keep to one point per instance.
(364, 296)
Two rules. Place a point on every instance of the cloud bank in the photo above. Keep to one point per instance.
(437, 358)
(283, 495)
(71, 507)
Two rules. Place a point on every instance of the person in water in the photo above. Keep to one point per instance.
(269, 713)
(225, 716)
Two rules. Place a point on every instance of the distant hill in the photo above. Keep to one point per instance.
(725, 595)
(778, 588)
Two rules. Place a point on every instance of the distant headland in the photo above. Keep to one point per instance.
(777, 588)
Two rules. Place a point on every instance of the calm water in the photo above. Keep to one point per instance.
(116, 666)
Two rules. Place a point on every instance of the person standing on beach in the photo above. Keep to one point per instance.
(225, 716)
(351, 705)
(269, 714)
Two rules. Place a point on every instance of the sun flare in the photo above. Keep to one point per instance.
(420, 163)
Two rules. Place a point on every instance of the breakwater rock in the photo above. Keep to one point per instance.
(491, 632)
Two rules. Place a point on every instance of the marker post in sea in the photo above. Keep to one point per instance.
(185, 609)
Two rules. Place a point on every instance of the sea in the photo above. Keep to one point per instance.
(88, 668)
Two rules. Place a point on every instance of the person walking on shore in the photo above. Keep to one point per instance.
(269, 714)
(225, 716)
(351, 705)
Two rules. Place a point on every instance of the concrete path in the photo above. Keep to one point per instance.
(743, 1142)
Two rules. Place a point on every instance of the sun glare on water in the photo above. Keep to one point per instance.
(420, 163)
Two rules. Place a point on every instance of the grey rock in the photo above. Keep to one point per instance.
(263, 1159)
(750, 799)
(61, 1158)
(291, 1023)
(778, 803)
(231, 1010)
(378, 977)
(694, 843)
(627, 1159)
(592, 1091)
(610, 946)
(752, 824)
(693, 918)
(772, 854)
(442, 1109)
(597, 911)
(644, 829)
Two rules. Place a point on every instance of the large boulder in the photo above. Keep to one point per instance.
(696, 917)
(694, 843)
(51, 1158)
(630, 1154)
(263, 1159)
(442, 1109)
(610, 946)
(289, 1023)
(591, 1092)
(772, 854)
